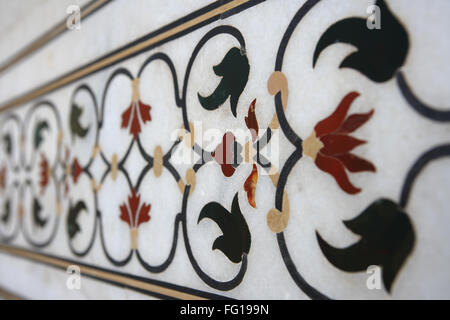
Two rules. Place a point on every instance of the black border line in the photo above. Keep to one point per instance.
(11, 103)
(22, 54)
(183, 289)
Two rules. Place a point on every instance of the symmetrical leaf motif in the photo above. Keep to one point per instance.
(234, 70)
(235, 239)
(387, 239)
(74, 211)
(6, 212)
(40, 127)
(8, 144)
(330, 144)
(75, 126)
(134, 214)
(381, 52)
(130, 117)
(37, 219)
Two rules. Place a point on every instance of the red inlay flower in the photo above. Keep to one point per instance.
(251, 121)
(44, 173)
(250, 186)
(136, 110)
(76, 170)
(130, 214)
(3, 178)
(330, 144)
(224, 154)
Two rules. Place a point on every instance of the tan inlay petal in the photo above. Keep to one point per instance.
(274, 175)
(134, 238)
(20, 210)
(157, 161)
(135, 97)
(95, 187)
(190, 179)
(95, 150)
(68, 169)
(60, 136)
(311, 146)
(248, 152)
(277, 221)
(58, 208)
(114, 167)
(181, 185)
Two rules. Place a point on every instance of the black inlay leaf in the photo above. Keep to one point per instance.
(381, 52)
(236, 238)
(387, 239)
(72, 225)
(8, 143)
(75, 126)
(6, 212)
(40, 127)
(36, 214)
(234, 70)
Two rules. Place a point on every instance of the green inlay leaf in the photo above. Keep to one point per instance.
(40, 127)
(234, 70)
(36, 214)
(387, 239)
(75, 126)
(72, 225)
(236, 238)
(8, 143)
(6, 212)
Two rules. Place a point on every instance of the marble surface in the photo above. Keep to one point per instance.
(95, 171)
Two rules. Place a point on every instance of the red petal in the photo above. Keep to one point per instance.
(143, 214)
(227, 170)
(250, 186)
(3, 178)
(223, 154)
(336, 169)
(124, 215)
(44, 173)
(355, 164)
(144, 110)
(355, 121)
(135, 126)
(76, 170)
(335, 120)
(251, 121)
(126, 116)
(133, 201)
(335, 144)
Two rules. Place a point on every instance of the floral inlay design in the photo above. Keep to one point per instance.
(136, 113)
(386, 231)
(44, 173)
(234, 70)
(236, 239)
(76, 170)
(134, 213)
(224, 154)
(330, 144)
(3, 178)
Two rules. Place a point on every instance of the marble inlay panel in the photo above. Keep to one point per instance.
(252, 149)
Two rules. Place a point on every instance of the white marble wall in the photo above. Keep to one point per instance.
(397, 136)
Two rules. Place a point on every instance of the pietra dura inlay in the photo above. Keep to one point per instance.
(320, 167)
